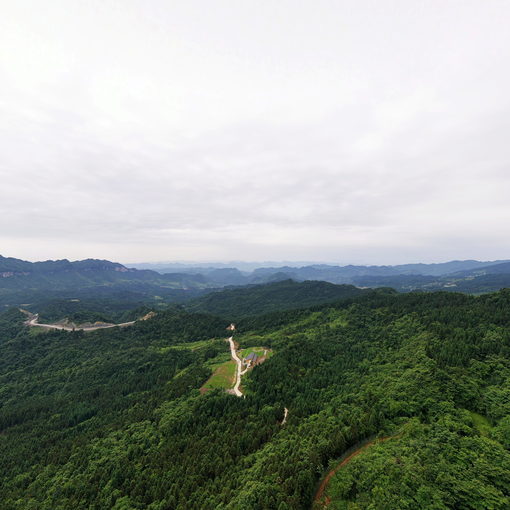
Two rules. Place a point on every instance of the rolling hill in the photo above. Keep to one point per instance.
(282, 295)
(23, 282)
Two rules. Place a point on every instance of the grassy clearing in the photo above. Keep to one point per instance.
(189, 345)
(259, 351)
(223, 377)
(307, 325)
(35, 331)
(336, 318)
(481, 424)
(332, 317)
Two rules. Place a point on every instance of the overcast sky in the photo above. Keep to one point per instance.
(341, 131)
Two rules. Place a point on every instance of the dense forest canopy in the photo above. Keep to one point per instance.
(115, 418)
(93, 305)
(259, 299)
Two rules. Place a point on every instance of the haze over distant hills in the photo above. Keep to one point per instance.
(436, 269)
(242, 265)
(22, 281)
(28, 282)
(101, 288)
(404, 277)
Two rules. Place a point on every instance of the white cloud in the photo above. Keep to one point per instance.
(345, 131)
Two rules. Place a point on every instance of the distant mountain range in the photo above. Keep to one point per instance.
(246, 268)
(453, 275)
(23, 282)
(180, 267)
(28, 282)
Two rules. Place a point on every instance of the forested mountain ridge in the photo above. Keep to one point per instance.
(348, 274)
(282, 295)
(472, 282)
(231, 303)
(115, 419)
(470, 276)
(119, 287)
(23, 282)
(63, 273)
(502, 268)
(20, 267)
(307, 271)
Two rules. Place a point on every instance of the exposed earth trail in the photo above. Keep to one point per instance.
(346, 459)
(239, 371)
(33, 319)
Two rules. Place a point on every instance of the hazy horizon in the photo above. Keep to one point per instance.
(256, 263)
(357, 131)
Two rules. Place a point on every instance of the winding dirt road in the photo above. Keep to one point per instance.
(239, 371)
(348, 456)
(34, 318)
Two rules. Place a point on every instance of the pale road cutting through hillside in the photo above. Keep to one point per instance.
(33, 322)
(239, 371)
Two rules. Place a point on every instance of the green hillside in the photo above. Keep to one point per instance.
(282, 295)
(111, 284)
(115, 419)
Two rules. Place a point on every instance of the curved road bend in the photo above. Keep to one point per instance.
(33, 321)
